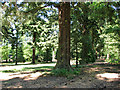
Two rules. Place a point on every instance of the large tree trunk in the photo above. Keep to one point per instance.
(34, 37)
(63, 61)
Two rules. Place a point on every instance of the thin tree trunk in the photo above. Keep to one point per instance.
(76, 56)
(119, 45)
(6, 60)
(16, 48)
(107, 56)
(64, 37)
(7, 53)
(53, 54)
(34, 38)
(87, 49)
(47, 51)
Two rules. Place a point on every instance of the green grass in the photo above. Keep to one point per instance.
(65, 73)
(9, 64)
(58, 72)
(43, 68)
(10, 71)
(37, 68)
(29, 63)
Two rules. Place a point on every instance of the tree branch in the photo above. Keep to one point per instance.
(34, 10)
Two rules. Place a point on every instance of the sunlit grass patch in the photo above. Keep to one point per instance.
(37, 68)
(11, 71)
(32, 69)
(113, 61)
(9, 64)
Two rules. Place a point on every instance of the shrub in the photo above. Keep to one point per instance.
(113, 61)
(65, 73)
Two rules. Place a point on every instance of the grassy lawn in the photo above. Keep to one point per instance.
(26, 63)
(32, 69)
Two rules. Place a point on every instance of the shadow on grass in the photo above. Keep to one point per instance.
(83, 66)
(41, 81)
(107, 64)
(98, 68)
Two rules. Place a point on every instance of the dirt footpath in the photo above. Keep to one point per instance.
(97, 75)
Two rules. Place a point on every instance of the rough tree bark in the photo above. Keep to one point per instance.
(63, 61)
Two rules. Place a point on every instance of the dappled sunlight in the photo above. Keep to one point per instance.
(16, 86)
(34, 76)
(90, 70)
(108, 69)
(95, 69)
(100, 63)
(64, 87)
(60, 44)
(18, 67)
(27, 75)
(39, 78)
(8, 76)
(101, 68)
(109, 76)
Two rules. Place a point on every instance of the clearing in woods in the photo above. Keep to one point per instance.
(97, 75)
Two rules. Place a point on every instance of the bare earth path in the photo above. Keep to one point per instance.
(97, 75)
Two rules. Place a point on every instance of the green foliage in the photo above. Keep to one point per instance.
(92, 29)
(20, 55)
(87, 49)
(65, 73)
(12, 53)
(10, 71)
(111, 45)
(47, 55)
(113, 61)
(27, 52)
(5, 51)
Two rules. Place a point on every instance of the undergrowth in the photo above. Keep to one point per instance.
(113, 61)
(65, 73)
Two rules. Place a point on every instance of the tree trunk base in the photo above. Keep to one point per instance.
(33, 62)
(62, 66)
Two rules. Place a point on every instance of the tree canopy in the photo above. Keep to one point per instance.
(79, 31)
